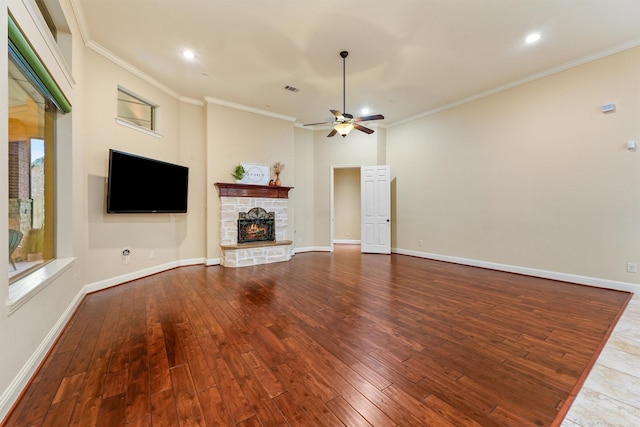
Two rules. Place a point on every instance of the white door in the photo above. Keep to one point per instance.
(375, 209)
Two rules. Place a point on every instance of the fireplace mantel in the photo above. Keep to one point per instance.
(248, 190)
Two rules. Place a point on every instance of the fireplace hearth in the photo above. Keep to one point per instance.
(257, 225)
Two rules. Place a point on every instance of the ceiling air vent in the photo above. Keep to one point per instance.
(292, 89)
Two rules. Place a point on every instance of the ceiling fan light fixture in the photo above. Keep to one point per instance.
(343, 128)
(345, 122)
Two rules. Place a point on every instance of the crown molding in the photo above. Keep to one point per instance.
(241, 107)
(78, 13)
(193, 101)
(130, 68)
(537, 76)
(86, 36)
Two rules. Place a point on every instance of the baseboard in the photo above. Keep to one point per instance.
(545, 274)
(114, 281)
(21, 380)
(12, 393)
(312, 249)
(192, 261)
(346, 242)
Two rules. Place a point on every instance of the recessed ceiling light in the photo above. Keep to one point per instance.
(188, 54)
(532, 38)
(364, 111)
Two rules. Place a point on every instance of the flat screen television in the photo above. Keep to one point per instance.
(138, 184)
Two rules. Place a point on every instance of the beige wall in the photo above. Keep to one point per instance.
(346, 204)
(302, 221)
(234, 136)
(144, 234)
(536, 176)
(192, 232)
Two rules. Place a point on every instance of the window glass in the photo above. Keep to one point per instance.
(30, 169)
(47, 17)
(136, 110)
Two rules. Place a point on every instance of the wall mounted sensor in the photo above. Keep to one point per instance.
(632, 146)
(609, 108)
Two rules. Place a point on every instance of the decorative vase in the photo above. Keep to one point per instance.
(277, 180)
(271, 183)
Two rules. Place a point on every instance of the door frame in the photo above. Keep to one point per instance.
(331, 198)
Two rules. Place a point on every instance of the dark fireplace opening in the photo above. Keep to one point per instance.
(257, 225)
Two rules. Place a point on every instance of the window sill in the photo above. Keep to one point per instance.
(138, 128)
(26, 288)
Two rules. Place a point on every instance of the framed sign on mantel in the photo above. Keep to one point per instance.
(255, 174)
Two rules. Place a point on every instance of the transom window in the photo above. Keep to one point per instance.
(136, 110)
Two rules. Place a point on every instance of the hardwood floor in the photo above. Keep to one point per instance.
(324, 340)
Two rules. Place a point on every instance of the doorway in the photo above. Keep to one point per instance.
(345, 206)
(361, 207)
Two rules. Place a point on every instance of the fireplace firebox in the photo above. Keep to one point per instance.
(257, 225)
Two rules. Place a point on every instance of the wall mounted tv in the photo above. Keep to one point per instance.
(141, 185)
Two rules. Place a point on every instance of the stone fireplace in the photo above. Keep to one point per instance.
(245, 214)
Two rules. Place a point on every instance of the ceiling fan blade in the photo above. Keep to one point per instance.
(338, 114)
(333, 132)
(362, 128)
(319, 123)
(367, 118)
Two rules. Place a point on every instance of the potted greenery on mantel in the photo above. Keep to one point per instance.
(238, 173)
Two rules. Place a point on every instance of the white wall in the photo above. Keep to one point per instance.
(536, 176)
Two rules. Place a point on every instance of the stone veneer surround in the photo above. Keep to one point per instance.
(234, 255)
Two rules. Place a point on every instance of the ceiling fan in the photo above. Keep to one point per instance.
(344, 123)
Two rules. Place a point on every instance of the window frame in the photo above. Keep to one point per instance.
(47, 116)
(125, 121)
(45, 49)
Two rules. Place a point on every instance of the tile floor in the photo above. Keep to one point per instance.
(611, 394)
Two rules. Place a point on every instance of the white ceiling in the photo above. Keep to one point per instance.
(407, 57)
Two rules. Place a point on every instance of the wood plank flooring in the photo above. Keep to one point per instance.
(323, 340)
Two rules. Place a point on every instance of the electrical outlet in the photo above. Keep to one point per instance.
(420, 243)
(152, 255)
(126, 256)
(631, 267)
